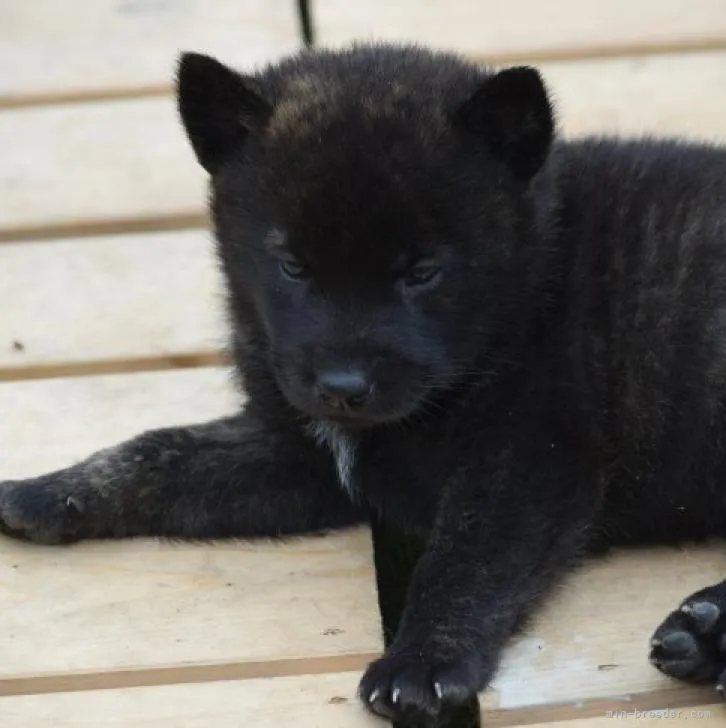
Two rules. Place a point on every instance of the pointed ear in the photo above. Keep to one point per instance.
(513, 115)
(218, 108)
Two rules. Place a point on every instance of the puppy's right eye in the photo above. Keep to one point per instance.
(293, 269)
(425, 273)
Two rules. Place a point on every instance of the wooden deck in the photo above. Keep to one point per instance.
(101, 336)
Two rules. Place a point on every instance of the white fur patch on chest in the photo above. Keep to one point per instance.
(341, 446)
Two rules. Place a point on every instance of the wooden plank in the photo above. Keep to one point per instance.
(587, 650)
(126, 164)
(123, 159)
(232, 609)
(114, 614)
(632, 97)
(309, 701)
(114, 298)
(50, 423)
(101, 46)
(505, 29)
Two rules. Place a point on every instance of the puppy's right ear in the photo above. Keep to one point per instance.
(218, 108)
(511, 111)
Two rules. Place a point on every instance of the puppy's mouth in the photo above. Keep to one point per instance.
(380, 409)
(365, 419)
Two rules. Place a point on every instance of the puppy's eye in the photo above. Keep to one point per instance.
(426, 273)
(293, 269)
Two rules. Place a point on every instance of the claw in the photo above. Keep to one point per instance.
(438, 690)
(74, 503)
(373, 696)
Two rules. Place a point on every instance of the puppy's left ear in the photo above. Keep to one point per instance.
(218, 107)
(512, 114)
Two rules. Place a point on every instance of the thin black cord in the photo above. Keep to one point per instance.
(306, 23)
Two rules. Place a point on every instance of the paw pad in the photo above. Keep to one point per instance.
(691, 642)
(704, 615)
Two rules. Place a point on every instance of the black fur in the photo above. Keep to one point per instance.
(511, 347)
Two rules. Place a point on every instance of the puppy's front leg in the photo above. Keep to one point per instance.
(499, 542)
(234, 477)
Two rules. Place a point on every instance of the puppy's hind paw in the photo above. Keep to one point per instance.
(690, 644)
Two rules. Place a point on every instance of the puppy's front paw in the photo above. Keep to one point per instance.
(45, 510)
(412, 688)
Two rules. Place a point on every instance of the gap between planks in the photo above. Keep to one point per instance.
(114, 366)
(184, 220)
(181, 674)
(585, 53)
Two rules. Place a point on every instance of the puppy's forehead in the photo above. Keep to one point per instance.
(356, 157)
(336, 229)
(311, 103)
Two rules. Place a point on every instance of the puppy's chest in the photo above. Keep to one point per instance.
(343, 449)
(385, 475)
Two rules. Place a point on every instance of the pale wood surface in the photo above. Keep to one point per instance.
(50, 423)
(119, 159)
(107, 607)
(115, 297)
(230, 634)
(497, 28)
(128, 160)
(49, 48)
(308, 701)
(636, 96)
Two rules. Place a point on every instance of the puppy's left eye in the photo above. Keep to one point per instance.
(293, 269)
(425, 273)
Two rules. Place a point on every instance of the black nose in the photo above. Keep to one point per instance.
(343, 388)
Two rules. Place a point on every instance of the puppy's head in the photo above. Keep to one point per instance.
(370, 208)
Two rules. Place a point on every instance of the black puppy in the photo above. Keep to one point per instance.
(512, 347)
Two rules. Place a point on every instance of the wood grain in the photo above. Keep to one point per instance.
(120, 608)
